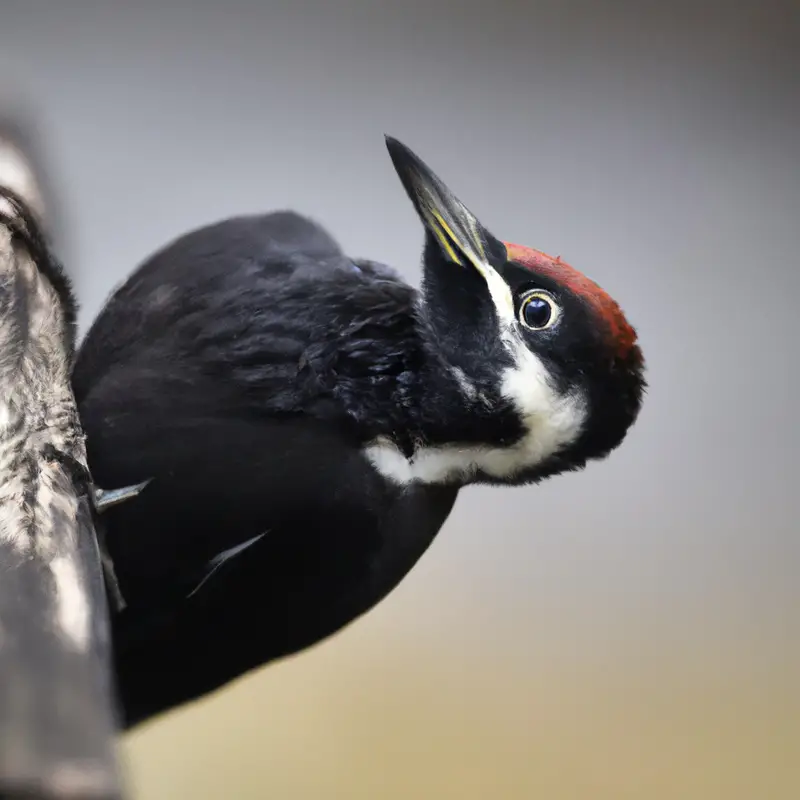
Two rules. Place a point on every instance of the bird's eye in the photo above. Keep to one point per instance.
(538, 311)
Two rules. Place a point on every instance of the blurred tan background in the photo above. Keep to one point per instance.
(629, 632)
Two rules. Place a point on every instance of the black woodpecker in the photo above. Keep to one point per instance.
(306, 421)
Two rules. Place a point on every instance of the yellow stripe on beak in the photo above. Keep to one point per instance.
(467, 248)
(445, 236)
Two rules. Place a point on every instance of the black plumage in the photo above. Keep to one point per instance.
(266, 383)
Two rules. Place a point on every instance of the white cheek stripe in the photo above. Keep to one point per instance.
(500, 293)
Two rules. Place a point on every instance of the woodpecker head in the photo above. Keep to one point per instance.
(527, 336)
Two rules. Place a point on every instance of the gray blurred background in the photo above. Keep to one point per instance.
(629, 632)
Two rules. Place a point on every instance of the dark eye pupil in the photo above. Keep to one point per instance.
(537, 312)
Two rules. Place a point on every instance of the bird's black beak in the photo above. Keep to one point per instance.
(461, 237)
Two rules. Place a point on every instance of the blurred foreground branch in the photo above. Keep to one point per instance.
(57, 712)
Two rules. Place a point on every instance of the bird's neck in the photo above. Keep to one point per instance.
(421, 414)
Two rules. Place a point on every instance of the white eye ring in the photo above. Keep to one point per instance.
(540, 321)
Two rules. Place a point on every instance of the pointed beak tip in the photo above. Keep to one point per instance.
(401, 155)
(395, 148)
